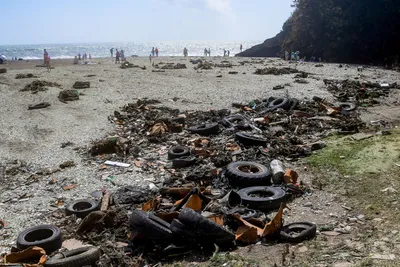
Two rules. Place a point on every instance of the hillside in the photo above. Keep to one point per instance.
(353, 31)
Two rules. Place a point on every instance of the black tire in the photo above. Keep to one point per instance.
(179, 120)
(208, 231)
(298, 232)
(45, 236)
(178, 151)
(346, 107)
(205, 129)
(150, 225)
(81, 208)
(75, 258)
(246, 173)
(250, 140)
(281, 102)
(179, 230)
(293, 103)
(183, 162)
(275, 196)
(245, 213)
(236, 121)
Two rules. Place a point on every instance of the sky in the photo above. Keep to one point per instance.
(84, 21)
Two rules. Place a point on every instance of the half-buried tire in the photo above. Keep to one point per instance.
(264, 198)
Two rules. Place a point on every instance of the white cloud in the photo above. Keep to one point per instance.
(221, 6)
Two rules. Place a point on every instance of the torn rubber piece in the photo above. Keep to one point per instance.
(298, 232)
(205, 129)
(39, 106)
(77, 257)
(250, 140)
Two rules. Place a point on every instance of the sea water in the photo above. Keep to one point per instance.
(168, 48)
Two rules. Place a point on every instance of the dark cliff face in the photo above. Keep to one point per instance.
(354, 31)
(269, 48)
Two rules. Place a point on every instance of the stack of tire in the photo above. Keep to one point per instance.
(256, 191)
(191, 228)
(49, 238)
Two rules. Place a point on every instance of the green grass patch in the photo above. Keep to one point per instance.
(360, 170)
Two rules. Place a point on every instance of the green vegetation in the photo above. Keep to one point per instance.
(344, 30)
(365, 172)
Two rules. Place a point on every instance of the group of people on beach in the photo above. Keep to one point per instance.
(119, 55)
(154, 52)
(295, 56)
(82, 57)
(207, 52)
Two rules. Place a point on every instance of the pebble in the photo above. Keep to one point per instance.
(361, 217)
(341, 230)
(390, 257)
(302, 249)
(352, 219)
(308, 204)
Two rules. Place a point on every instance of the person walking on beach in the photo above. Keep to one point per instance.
(156, 52)
(150, 58)
(117, 55)
(224, 52)
(47, 61)
(229, 52)
(209, 52)
(241, 48)
(45, 55)
(112, 52)
(79, 56)
(152, 51)
(205, 52)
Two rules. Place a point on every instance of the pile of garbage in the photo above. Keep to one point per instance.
(39, 85)
(223, 182)
(204, 65)
(172, 66)
(68, 95)
(127, 65)
(277, 71)
(364, 93)
(25, 76)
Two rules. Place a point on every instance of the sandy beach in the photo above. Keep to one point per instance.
(36, 136)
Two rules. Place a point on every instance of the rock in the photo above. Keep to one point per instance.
(343, 264)
(132, 195)
(389, 189)
(341, 230)
(388, 257)
(67, 164)
(352, 219)
(72, 244)
(361, 136)
(330, 233)
(302, 249)
(317, 146)
(361, 217)
(308, 204)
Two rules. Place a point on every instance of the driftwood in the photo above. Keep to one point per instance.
(105, 201)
